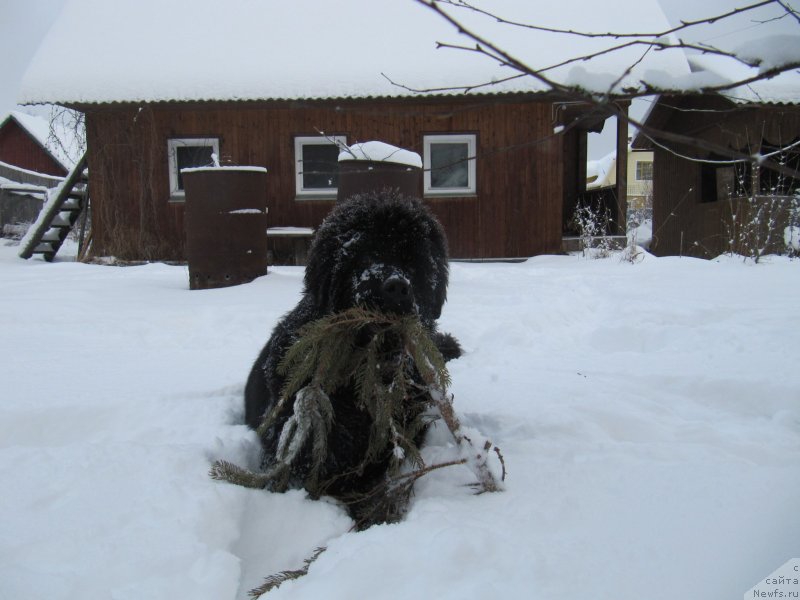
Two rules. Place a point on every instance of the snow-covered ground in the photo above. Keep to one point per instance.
(649, 416)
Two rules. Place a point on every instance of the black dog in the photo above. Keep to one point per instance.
(380, 251)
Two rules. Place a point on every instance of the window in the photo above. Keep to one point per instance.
(317, 165)
(185, 153)
(644, 170)
(449, 164)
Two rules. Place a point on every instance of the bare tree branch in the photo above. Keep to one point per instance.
(789, 10)
(619, 35)
(606, 100)
(495, 51)
(491, 50)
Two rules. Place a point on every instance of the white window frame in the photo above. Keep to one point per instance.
(639, 170)
(319, 140)
(176, 192)
(470, 139)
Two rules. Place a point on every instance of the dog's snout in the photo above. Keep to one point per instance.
(397, 294)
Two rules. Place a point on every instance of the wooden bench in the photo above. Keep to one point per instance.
(288, 245)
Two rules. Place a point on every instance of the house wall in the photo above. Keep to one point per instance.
(676, 204)
(516, 212)
(686, 220)
(640, 191)
(18, 148)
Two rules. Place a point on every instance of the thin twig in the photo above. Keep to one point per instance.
(617, 35)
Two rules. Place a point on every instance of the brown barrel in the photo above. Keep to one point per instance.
(360, 176)
(226, 225)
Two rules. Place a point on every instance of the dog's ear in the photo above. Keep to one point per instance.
(440, 257)
(440, 289)
(317, 279)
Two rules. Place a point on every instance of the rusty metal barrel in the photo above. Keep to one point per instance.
(226, 224)
(375, 165)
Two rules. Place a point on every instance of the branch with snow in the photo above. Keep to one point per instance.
(664, 40)
(475, 453)
(756, 62)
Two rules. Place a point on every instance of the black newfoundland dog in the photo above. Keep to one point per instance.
(380, 251)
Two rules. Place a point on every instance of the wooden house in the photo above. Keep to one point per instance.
(640, 179)
(28, 167)
(277, 85)
(23, 144)
(705, 203)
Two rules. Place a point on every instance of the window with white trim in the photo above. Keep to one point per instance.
(449, 165)
(316, 161)
(185, 153)
(644, 170)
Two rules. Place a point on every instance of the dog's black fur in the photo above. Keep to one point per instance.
(380, 251)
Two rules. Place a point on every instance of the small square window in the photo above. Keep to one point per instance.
(317, 165)
(644, 170)
(449, 163)
(185, 153)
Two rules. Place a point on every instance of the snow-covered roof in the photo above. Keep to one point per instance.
(782, 89)
(602, 172)
(39, 129)
(194, 50)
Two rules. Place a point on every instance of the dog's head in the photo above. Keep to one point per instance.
(382, 251)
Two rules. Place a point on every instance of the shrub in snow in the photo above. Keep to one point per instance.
(756, 223)
(791, 239)
(592, 226)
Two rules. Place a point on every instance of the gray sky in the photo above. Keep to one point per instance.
(23, 23)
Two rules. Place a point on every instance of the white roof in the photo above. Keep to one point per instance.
(185, 50)
(782, 89)
(602, 172)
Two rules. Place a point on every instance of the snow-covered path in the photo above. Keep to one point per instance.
(649, 416)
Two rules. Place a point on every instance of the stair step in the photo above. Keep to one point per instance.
(43, 248)
(56, 218)
(56, 234)
(64, 219)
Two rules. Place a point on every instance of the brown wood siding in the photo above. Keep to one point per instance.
(18, 148)
(678, 186)
(683, 224)
(516, 211)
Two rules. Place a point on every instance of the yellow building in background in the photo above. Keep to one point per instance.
(603, 173)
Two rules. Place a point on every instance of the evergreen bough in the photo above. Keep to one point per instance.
(392, 360)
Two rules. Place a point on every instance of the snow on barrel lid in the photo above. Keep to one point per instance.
(381, 152)
(224, 168)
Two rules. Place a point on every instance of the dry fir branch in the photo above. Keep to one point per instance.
(330, 353)
(222, 470)
(477, 458)
(392, 362)
(273, 581)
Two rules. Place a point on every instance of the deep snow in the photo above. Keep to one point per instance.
(649, 415)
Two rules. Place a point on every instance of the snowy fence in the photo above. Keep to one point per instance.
(22, 193)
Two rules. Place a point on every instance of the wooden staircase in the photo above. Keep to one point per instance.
(58, 215)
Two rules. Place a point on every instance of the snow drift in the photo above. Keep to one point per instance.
(649, 416)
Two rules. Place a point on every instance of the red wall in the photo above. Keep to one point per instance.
(18, 148)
